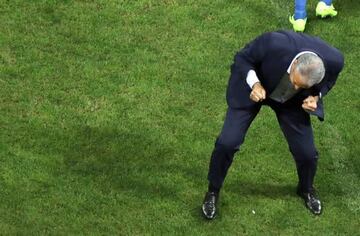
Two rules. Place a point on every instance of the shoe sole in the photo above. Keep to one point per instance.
(306, 205)
(314, 212)
(325, 16)
(205, 216)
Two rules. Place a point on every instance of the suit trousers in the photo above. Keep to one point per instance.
(296, 126)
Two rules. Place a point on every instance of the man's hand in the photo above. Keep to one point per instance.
(310, 103)
(258, 93)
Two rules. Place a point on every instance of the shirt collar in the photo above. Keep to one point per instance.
(299, 54)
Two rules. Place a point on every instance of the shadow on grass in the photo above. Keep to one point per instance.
(137, 162)
(123, 161)
(269, 190)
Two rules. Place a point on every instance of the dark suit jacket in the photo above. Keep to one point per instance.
(270, 55)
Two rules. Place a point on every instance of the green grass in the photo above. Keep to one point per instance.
(109, 111)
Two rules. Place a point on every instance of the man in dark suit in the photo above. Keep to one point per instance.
(290, 72)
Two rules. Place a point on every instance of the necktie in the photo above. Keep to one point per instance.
(284, 90)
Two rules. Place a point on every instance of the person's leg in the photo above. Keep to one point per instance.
(300, 9)
(237, 122)
(327, 2)
(296, 126)
(298, 20)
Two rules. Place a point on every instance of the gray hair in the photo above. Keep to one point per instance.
(311, 67)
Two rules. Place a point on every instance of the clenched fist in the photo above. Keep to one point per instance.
(258, 93)
(310, 103)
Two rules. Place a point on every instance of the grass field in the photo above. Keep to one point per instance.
(109, 111)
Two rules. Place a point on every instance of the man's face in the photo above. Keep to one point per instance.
(296, 78)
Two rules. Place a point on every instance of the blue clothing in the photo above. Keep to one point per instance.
(270, 55)
(327, 2)
(300, 9)
(296, 126)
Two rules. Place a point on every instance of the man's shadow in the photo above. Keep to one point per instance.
(266, 190)
(135, 161)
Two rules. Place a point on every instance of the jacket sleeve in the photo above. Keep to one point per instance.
(251, 56)
(333, 68)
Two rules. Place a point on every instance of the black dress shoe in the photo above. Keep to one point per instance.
(209, 205)
(312, 202)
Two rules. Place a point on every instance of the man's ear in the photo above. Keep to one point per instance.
(293, 66)
(295, 62)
